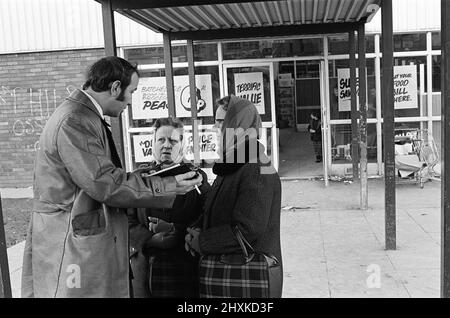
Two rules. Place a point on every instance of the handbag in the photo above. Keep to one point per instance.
(249, 274)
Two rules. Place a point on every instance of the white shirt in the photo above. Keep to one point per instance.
(96, 104)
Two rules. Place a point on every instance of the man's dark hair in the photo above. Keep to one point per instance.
(105, 71)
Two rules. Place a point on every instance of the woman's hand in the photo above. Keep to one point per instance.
(191, 240)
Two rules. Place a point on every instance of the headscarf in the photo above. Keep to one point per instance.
(243, 119)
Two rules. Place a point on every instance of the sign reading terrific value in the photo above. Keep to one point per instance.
(250, 86)
(150, 98)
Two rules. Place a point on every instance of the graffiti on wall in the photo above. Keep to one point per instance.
(29, 110)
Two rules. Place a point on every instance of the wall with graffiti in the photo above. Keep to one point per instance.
(32, 85)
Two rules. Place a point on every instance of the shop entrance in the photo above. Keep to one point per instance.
(299, 93)
(289, 93)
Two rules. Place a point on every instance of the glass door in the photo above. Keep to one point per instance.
(254, 81)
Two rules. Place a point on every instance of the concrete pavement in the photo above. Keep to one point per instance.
(332, 249)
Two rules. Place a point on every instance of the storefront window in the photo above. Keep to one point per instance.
(418, 131)
(436, 134)
(410, 42)
(155, 55)
(436, 102)
(272, 48)
(436, 73)
(339, 96)
(436, 40)
(341, 143)
(338, 44)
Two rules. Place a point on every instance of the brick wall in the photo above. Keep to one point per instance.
(32, 85)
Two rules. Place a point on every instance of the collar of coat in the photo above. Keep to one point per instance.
(79, 97)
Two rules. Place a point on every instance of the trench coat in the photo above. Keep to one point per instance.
(77, 243)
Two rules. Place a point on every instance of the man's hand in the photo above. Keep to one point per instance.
(184, 185)
(156, 225)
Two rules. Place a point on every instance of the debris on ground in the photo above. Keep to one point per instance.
(293, 208)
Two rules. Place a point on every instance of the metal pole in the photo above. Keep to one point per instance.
(109, 35)
(169, 74)
(354, 110)
(445, 150)
(193, 97)
(387, 97)
(5, 283)
(363, 115)
(109, 31)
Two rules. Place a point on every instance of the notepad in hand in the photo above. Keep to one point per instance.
(172, 171)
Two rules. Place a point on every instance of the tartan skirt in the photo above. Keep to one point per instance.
(173, 276)
(220, 280)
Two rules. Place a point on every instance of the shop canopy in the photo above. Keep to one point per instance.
(212, 19)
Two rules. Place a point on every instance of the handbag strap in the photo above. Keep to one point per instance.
(242, 241)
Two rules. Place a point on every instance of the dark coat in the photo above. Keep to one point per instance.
(316, 125)
(185, 210)
(250, 198)
(174, 271)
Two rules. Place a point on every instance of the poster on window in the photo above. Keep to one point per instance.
(150, 98)
(405, 87)
(203, 95)
(250, 86)
(208, 145)
(143, 147)
(344, 92)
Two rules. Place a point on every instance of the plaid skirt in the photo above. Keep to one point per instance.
(173, 276)
(221, 280)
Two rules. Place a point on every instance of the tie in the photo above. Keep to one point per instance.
(114, 155)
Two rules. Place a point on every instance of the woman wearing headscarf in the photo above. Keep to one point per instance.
(246, 194)
(160, 264)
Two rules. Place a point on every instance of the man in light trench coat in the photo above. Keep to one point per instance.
(77, 242)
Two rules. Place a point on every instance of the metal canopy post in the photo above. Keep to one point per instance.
(363, 116)
(445, 150)
(354, 110)
(109, 35)
(5, 282)
(169, 74)
(387, 98)
(193, 98)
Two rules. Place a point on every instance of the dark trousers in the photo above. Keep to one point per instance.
(318, 149)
